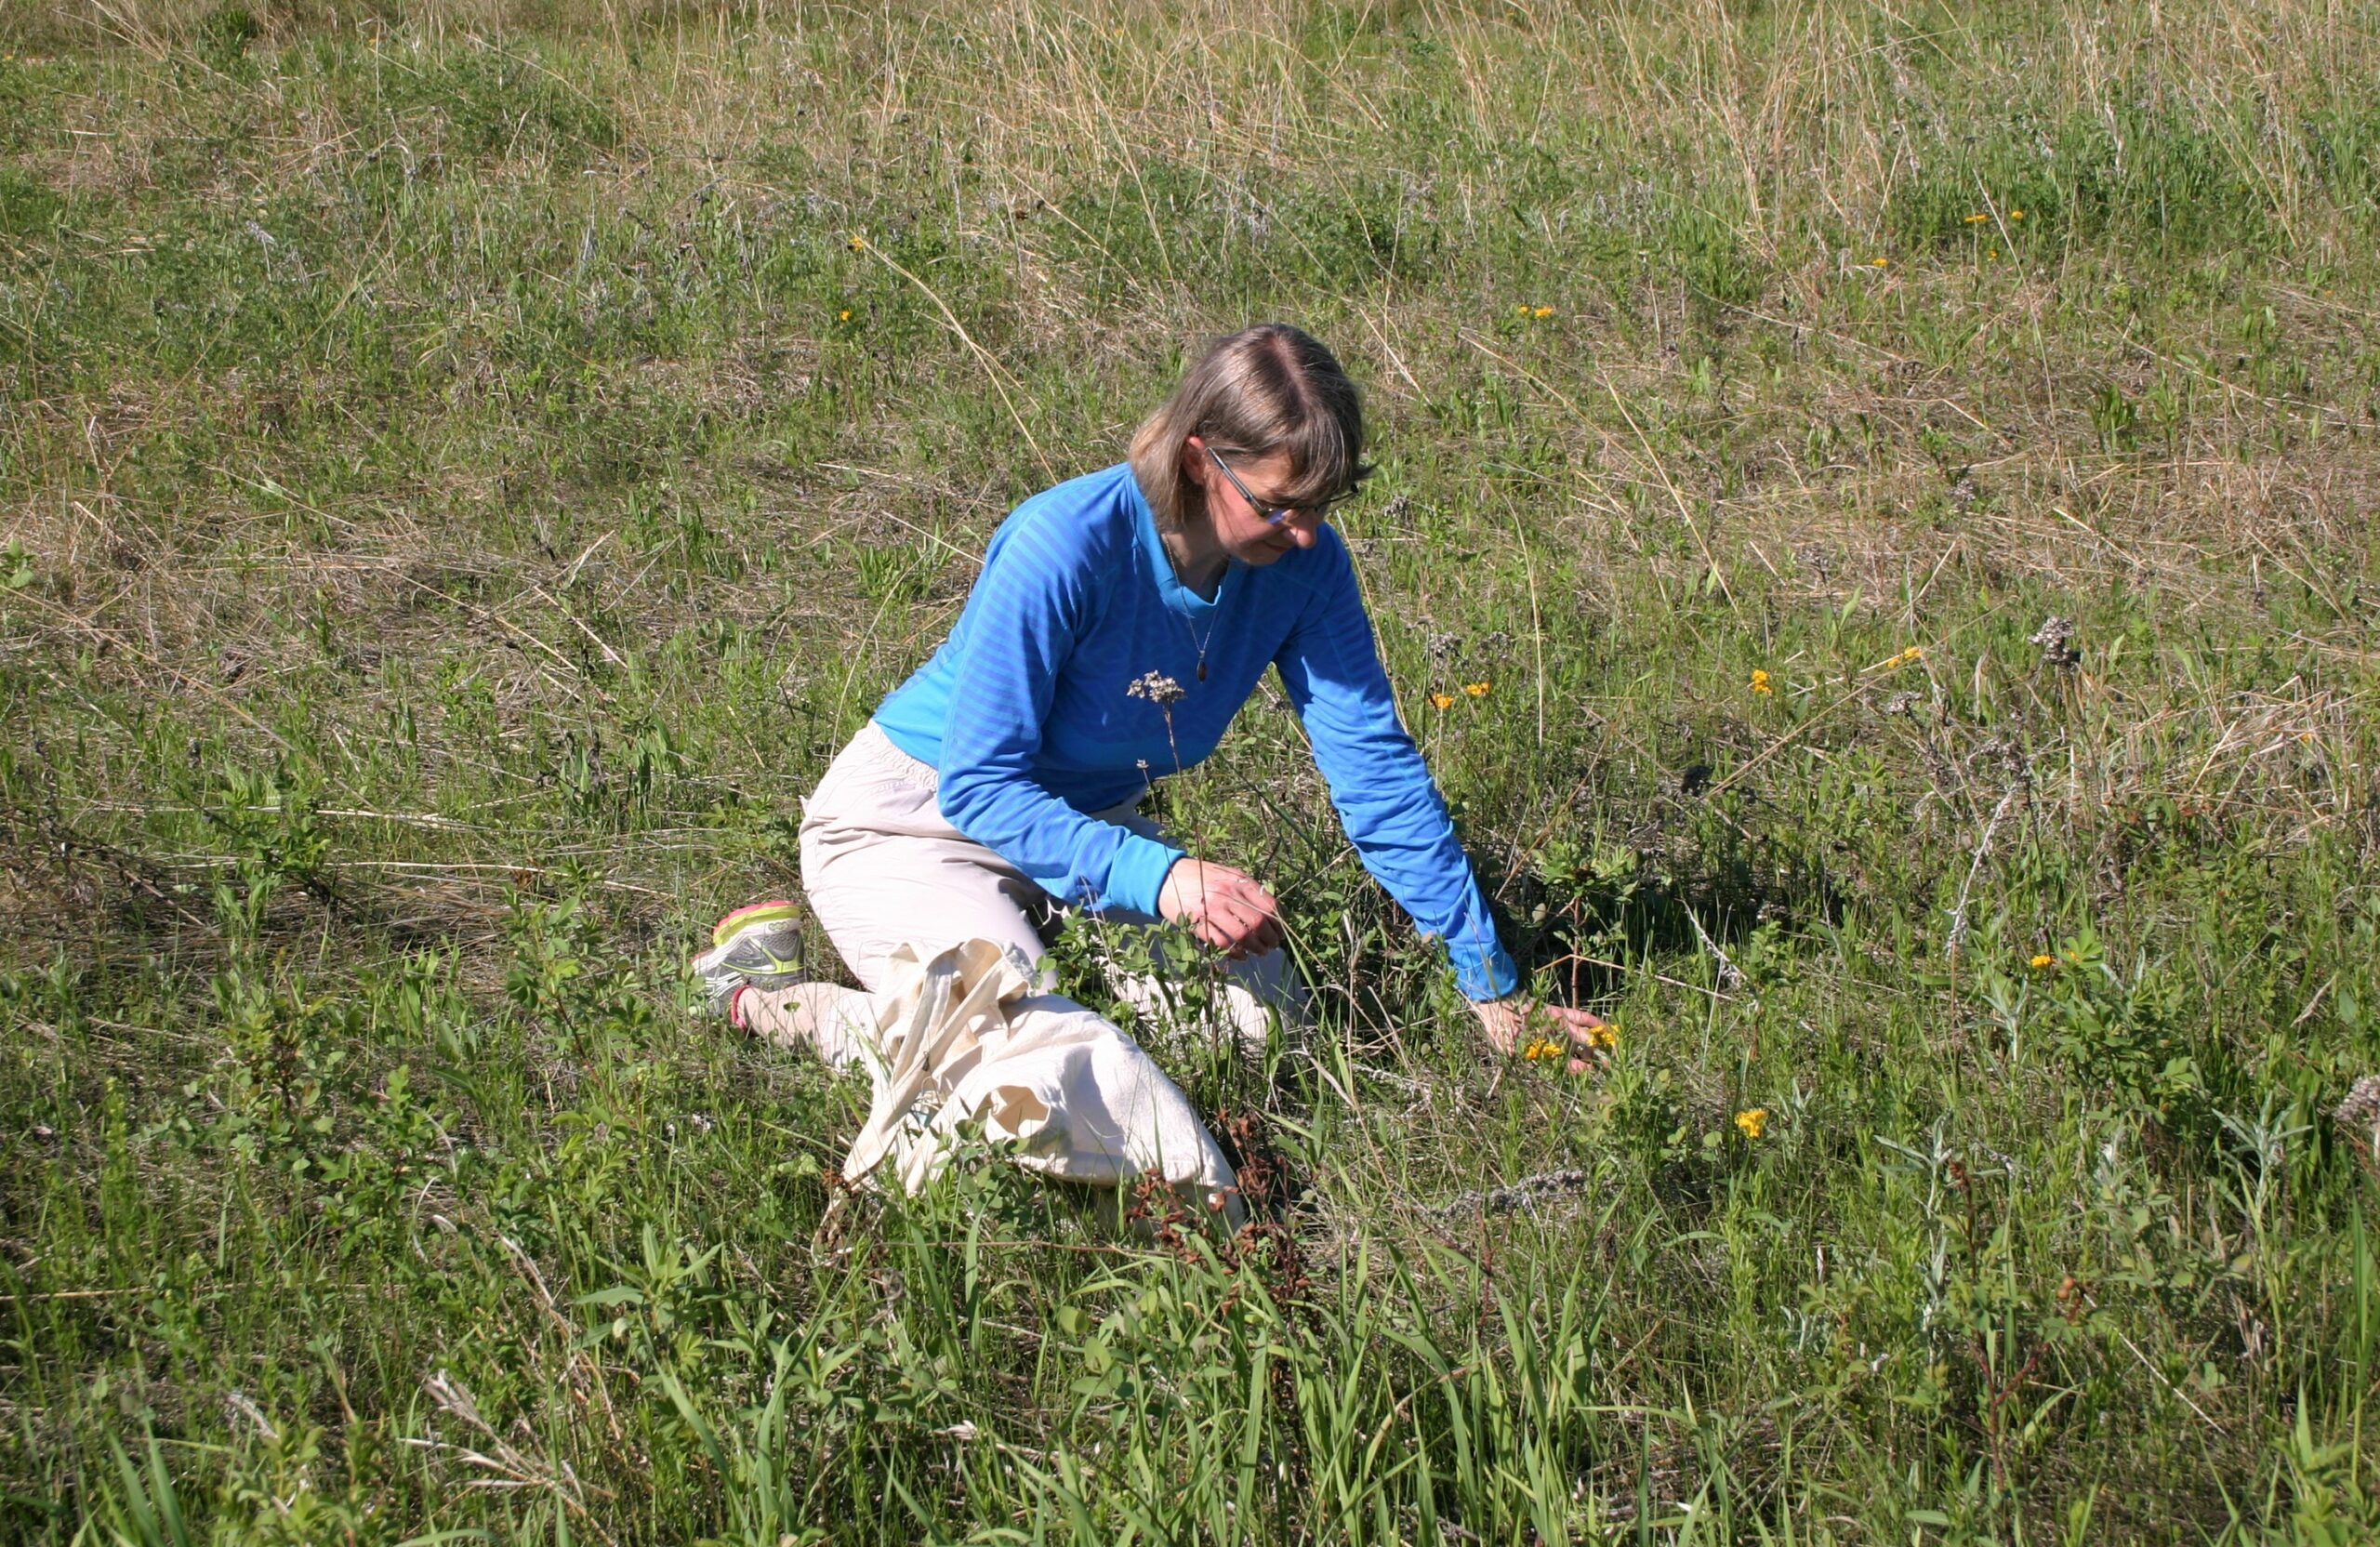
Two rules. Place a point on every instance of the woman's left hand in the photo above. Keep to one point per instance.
(1506, 1021)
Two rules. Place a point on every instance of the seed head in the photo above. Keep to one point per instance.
(1157, 688)
(2056, 636)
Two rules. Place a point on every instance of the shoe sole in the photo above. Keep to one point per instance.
(745, 914)
(727, 928)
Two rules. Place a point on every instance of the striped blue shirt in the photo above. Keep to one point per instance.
(1025, 714)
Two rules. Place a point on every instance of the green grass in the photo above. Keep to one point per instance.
(463, 473)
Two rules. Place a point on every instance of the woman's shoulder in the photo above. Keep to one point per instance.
(1094, 511)
(1069, 537)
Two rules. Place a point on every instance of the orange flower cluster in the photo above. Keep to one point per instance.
(1602, 1039)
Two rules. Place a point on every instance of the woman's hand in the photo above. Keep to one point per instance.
(1225, 907)
(1506, 1020)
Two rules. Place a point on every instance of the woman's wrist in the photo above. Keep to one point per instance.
(1137, 876)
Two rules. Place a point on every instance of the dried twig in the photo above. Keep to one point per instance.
(1730, 975)
(1525, 1193)
(501, 1463)
(1957, 931)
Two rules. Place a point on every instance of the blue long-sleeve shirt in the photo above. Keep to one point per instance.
(1025, 711)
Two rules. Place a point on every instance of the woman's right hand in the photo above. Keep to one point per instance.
(1226, 909)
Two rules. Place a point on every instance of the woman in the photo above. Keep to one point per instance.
(1120, 621)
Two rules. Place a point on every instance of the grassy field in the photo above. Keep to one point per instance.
(1898, 478)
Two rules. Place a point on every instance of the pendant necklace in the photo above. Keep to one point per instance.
(1196, 637)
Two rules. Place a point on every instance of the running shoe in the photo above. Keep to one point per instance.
(759, 947)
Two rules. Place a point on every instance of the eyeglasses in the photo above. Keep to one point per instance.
(1276, 515)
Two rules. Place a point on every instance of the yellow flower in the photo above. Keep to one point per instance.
(1543, 311)
(859, 243)
(1882, 262)
(1605, 1035)
(1993, 253)
(1521, 308)
(2016, 215)
(2043, 963)
(1477, 690)
(1442, 700)
(844, 316)
(1760, 682)
(1752, 1122)
(1978, 220)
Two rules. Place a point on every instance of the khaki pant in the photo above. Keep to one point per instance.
(882, 870)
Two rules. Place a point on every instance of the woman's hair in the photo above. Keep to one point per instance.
(1266, 389)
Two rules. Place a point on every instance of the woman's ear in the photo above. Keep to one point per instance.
(1194, 461)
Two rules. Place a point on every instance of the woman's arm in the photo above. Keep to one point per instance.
(1382, 789)
(1034, 597)
(1390, 805)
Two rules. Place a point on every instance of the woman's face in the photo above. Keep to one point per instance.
(1241, 528)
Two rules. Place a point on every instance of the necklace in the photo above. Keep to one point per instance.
(1196, 637)
(1200, 640)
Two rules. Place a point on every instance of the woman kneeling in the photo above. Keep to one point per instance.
(1120, 621)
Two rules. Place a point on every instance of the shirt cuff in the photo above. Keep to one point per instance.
(1484, 973)
(1137, 874)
